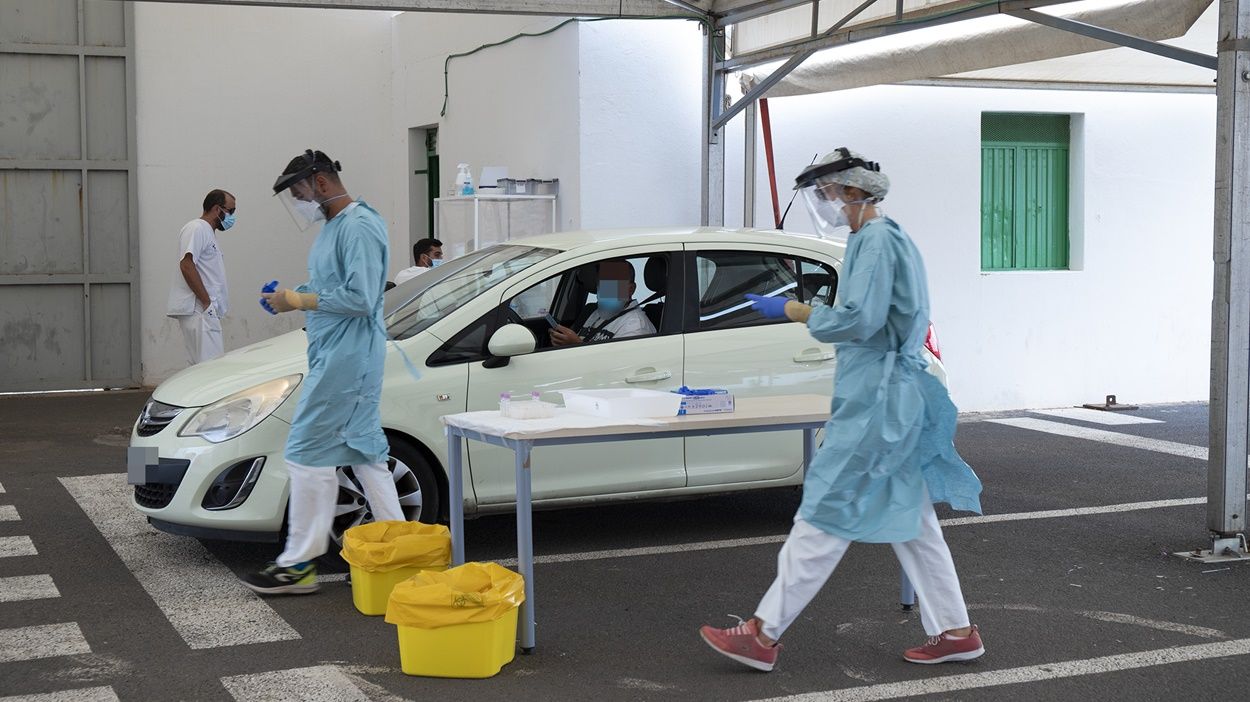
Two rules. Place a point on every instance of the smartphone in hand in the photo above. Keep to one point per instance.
(552, 321)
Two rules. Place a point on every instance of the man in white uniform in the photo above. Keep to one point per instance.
(427, 254)
(616, 316)
(197, 295)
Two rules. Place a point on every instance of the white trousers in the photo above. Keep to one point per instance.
(810, 555)
(314, 494)
(202, 334)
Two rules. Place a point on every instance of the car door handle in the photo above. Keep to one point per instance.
(649, 377)
(814, 356)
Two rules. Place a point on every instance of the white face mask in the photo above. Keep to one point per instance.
(310, 210)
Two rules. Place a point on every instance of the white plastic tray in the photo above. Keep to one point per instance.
(622, 404)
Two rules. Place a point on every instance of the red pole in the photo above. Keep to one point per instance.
(768, 156)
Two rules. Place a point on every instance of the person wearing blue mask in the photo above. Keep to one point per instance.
(888, 453)
(197, 294)
(337, 420)
(617, 315)
(427, 254)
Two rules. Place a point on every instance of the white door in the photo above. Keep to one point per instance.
(730, 346)
(650, 360)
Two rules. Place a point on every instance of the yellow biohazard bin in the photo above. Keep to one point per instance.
(458, 623)
(382, 554)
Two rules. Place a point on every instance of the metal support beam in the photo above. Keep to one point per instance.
(1116, 38)
(1230, 306)
(558, 8)
(712, 202)
(749, 130)
(784, 70)
(759, 9)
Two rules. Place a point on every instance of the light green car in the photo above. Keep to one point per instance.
(476, 327)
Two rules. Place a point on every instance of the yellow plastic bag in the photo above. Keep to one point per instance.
(380, 547)
(468, 594)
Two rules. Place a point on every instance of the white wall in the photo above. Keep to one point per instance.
(226, 97)
(640, 106)
(1134, 320)
(514, 105)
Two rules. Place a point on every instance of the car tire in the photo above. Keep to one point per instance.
(415, 482)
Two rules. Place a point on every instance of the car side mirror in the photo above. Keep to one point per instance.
(511, 340)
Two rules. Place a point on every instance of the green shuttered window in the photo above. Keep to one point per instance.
(1024, 191)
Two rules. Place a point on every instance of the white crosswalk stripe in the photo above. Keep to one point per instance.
(1, 489)
(13, 546)
(323, 683)
(8, 513)
(20, 588)
(42, 641)
(87, 694)
(1096, 416)
(1106, 437)
(200, 596)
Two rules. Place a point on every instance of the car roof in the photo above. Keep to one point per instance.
(595, 238)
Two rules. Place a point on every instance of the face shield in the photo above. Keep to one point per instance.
(824, 205)
(296, 188)
(823, 186)
(300, 200)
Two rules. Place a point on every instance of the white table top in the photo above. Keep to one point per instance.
(748, 412)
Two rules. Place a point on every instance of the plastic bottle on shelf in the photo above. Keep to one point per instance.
(505, 402)
(464, 180)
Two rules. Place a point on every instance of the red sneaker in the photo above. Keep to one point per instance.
(742, 644)
(945, 648)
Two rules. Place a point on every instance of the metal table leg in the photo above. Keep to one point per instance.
(455, 490)
(809, 447)
(906, 592)
(525, 543)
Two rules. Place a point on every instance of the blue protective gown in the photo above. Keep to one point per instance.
(893, 423)
(337, 420)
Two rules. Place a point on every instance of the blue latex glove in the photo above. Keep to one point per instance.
(770, 307)
(268, 287)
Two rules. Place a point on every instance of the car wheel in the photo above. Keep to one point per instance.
(414, 482)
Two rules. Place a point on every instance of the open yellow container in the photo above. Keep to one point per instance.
(460, 651)
(383, 554)
(459, 623)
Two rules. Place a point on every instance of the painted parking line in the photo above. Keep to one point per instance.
(323, 683)
(1, 489)
(779, 538)
(1103, 436)
(8, 513)
(87, 694)
(203, 600)
(1027, 674)
(20, 588)
(1096, 416)
(42, 641)
(12, 546)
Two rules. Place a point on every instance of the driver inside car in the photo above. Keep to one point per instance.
(618, 315)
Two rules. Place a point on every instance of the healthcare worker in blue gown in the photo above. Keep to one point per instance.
(888, 452)
(336, 422)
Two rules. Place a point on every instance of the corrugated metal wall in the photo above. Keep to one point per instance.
(69, 314)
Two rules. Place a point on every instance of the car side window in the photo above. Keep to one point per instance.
(726, 277)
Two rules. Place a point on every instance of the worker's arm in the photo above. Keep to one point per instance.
(192, 276)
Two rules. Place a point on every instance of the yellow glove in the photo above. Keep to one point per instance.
(798, 312)
(286, 300)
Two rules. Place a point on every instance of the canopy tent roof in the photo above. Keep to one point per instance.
(1003, 48)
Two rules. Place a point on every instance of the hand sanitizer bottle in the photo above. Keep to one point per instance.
(464, 180)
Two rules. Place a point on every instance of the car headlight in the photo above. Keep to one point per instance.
(235, 414)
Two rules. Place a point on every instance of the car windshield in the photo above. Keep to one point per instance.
(427, 298)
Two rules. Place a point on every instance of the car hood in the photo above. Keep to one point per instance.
(240, 369)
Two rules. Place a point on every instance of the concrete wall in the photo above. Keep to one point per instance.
(640, 88)
(226, 97)
(1132, 318)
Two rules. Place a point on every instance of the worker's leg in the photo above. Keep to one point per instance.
(806, 561)
(928, 564)
(211, 344)
(190, 325)
(310, 512)
(380, 491)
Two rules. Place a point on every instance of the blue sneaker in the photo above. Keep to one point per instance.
(274, 579)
